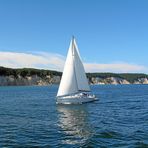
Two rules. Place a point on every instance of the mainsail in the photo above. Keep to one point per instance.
(74, 77)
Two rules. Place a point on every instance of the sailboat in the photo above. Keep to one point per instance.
(74, 87)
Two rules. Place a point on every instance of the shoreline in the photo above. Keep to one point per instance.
(40, 77)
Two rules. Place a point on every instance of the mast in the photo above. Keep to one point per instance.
(73, 54)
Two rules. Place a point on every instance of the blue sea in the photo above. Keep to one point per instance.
(29, 117)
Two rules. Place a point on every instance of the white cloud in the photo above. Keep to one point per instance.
(115, 67)
(32, 60)
(54, 61)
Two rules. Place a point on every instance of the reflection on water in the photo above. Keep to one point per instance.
(74, 122)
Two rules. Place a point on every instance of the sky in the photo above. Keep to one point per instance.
(112, 35)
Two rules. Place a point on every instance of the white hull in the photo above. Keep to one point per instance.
(76, 99)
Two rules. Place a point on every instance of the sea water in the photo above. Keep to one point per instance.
(29, 117)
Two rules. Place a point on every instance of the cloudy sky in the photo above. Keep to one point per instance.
(112, 35)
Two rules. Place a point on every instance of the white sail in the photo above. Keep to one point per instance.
(82, 81)
(74, 77)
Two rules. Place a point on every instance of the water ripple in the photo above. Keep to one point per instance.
(29, 117)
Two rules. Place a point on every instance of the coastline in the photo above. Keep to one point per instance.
(37, 77)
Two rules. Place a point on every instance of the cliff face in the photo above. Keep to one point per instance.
(115, 80)
(47, 80)
(28, 80)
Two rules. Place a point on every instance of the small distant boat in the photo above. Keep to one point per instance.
(74, 87)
